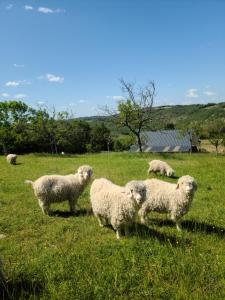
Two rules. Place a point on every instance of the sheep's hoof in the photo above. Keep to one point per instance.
(118, 235)
(143, 221)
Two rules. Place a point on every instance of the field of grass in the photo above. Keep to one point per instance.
(71, 257)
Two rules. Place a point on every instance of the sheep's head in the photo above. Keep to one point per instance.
(137, 190)
(170, 172)
(187, 184)
(84, 172)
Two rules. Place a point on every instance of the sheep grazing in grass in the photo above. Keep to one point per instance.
(11, 159)
(165, 197)
(162, 167)
(56, 188)
(115, 205)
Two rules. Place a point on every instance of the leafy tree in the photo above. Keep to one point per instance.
(14, 119)
(100, 139)
(216, 134)
(135, 112)
(123, 142)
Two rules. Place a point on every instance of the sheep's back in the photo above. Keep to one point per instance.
(52, 187)
(160, 192)
(110, 200)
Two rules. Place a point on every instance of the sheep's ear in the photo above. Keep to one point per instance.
(130, 193)
(177, 187)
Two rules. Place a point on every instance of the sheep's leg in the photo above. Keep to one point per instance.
(177, 222)
(118, 233)
(44, 207)
(178, 225)
(143, 213)
(72, 205)
(101, 222)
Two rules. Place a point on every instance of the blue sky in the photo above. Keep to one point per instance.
(70, 54)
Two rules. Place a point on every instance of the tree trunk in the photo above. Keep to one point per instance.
(139, 142)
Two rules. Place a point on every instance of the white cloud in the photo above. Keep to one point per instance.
(47, 10)
(192, 93)
(82, 101)
(20, 96)
(16, 83)
(5, 95)
(9, 6)
(28, 7)
(116, 98)
(12, 83)
(41, 102)
(52, 78)
(209, 93)
(18, 66)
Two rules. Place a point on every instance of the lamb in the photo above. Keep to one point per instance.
(11, 159)
(115, 205)
(160, 166)
(56, 188)
(174, 199)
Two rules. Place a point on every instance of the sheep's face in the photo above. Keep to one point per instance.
(85, 172)
(187, 184)
(170, 173)
(137, 191)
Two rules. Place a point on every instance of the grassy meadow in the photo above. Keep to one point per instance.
(71, 257)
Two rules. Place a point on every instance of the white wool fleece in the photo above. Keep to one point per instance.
(160, 166)
(115, 205)
(11, 159)
(57, 188)
(165, 197)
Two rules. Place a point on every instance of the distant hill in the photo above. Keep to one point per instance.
(179, 115)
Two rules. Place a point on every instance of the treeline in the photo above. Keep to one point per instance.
(25, 130)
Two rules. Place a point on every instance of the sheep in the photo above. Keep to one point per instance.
(174, 199)
(11, 159)
(160, 166)
(115, 205)
(56, 188)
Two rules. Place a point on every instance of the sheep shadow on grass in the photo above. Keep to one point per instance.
(144, 232)
(193, 226)
(20, 288)
(66, 214)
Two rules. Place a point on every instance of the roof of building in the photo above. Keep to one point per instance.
(164, 141)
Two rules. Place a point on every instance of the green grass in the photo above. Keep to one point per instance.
(71, 257)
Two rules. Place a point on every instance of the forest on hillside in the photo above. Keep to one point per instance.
(25, 130)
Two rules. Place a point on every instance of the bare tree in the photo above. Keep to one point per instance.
(135, 112)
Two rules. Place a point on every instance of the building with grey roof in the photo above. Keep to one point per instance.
(167, 141)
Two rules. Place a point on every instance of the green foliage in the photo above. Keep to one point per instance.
(71, 257)
(123, 142)
(100, 138)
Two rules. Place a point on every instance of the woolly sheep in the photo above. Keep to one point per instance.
(115, 205)
(11, 159)
(56, 188)
(160, 166)
(174, 199)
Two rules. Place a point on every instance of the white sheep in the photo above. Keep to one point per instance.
(11, 159)
(165, 197)
(115, 205)
(57, 188)
(156, 166)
